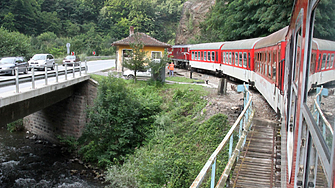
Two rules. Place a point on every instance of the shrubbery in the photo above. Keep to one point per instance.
(120, 121)
(181, 144)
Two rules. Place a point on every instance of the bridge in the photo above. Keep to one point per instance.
(51, 103)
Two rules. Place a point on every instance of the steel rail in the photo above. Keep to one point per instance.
(212, 160)
(28, 78)
(325, 121)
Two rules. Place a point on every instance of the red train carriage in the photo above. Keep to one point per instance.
(237, 59)
(180, 55)
(307, 142)
(322, 68)
(269, 63)
(206, 56)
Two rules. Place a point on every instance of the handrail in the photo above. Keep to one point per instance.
(318, 108)
(247, 114)
(30, 78)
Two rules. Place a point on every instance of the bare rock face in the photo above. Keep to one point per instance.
(194, 12)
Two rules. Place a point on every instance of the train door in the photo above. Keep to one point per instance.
(310, 138)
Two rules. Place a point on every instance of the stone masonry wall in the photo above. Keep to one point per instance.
(65, 118)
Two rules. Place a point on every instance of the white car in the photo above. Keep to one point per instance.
(39, 61)
(130, 74)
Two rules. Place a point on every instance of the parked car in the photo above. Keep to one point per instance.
(130, 74)
(8, 64)
(70, 60)
(39, 61)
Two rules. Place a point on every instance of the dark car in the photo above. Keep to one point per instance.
(70, 60)
(8, 64)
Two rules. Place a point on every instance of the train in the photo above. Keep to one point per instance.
(257, 61)
(285, 67)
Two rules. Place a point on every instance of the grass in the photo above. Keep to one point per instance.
(185, 80)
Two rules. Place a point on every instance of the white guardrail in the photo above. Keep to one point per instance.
(244, 120)
(31, 78)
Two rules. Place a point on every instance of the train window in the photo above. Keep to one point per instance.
(198, 55)
(209, 56)
(332, 61)
(236, 59)
(323, 61)
(245, 59)
(240, 59)
(328, 61)
(265, 69)
(266, 57)
(274, 65)
(269, 72)
(249, 57)
(205, 53)
(195, 55)
(312, 68)
(223, 57)
(213, 56)
(319, 62)
(202, 56)
(216, 57)
(192, 55)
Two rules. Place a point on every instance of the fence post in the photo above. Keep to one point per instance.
(65, 71)
(33, 78)
(85, 67)
(213, 174)
(80, 68)
(73, 71)
(56, 73)
(46, 75)
(17, 79)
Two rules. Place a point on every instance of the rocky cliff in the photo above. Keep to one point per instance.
(194, 12)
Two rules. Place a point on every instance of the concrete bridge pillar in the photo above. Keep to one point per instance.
(65, 118)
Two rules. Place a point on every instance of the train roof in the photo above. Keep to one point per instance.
(272, 39)
(322, 44)
(182, 46)
(240, 44)
(207, 46)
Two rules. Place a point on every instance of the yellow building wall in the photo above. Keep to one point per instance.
(148, 49)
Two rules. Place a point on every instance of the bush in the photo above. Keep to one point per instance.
(120, 121)
(176, 151)
(15, 126)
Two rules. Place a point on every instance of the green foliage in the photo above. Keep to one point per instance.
(158, 67)
(241, 19)
(174, 155)
(70, 142)
(14, 44)
(137, 57)
(120, 121)
(325, 20)
(15, 126)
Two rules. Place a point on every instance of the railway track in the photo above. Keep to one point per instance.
(256, 166)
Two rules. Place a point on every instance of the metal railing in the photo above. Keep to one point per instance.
(244, 120)
(320, 118)
(32, 78)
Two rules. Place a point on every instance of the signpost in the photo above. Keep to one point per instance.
(68, 48)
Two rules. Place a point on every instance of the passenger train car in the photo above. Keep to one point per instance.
(285, 67)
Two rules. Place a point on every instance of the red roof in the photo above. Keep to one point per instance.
(146, 39)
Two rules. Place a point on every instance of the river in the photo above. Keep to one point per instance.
(35, 163)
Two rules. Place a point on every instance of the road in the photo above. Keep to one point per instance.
(93, 66)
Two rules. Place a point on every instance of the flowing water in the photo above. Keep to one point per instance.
(30, 163)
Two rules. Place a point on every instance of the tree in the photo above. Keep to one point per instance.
(137, 56)
(14, 44)
(241, 19)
